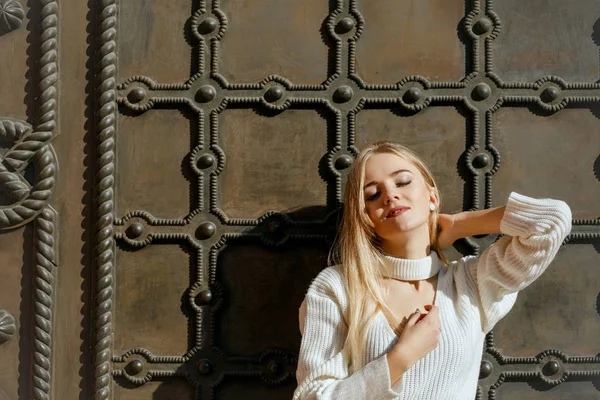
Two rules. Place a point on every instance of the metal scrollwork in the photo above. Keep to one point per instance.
(11, 15)
(7, 326)
(28, 201)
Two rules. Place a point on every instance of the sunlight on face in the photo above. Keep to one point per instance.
(397, 197)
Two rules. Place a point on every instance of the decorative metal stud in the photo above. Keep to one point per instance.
(345, 25)
(207, 26)
(551, 368)
(205, 94)
(274, 367)
(482, 26)
(485, 369)
(481, 161)
(274, 226)
(204, 366)
(134, 367)
(412, 95)
(550, 94)
(136, 95)
(7, 326)
(206, 230)
(273, 94)
(481, 92)
(135, 230)
(204, 297)
(343, 162)
(205, 161)
(343, 94)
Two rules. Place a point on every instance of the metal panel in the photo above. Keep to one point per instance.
(267, 173)
(28, 172)
(220, 133)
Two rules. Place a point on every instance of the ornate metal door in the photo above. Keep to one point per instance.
(203, 148)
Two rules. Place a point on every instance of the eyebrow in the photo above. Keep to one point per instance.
(373, 183)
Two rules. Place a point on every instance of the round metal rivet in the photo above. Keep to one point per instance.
(550, 94)
(136, 95)
(274, 367)
(134, 367)
(135, 230)
(345, 25)
(551, 368)
(206, 230)
(481, 161)
(482, 26)
(207, 26)
(481, 92)
(343, 162)
(274, 226)
(343, 94)
(204, 297)
(412, 95)
(205, 94)
(273, 94)
(485, 369)
(205, 161)
(205, 366)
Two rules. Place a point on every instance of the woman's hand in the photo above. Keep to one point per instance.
(447, 234)
(419, 337)
(468, 223)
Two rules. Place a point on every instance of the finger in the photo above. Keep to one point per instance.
(432, 309)
(434, 313)
(414, 318)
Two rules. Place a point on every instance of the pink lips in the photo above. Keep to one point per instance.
(396, 211)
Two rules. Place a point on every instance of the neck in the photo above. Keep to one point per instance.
(412, 245)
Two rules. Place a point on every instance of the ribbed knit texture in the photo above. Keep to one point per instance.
(411, 270)
(473, 294)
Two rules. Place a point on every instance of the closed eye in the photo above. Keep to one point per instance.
(375, 195)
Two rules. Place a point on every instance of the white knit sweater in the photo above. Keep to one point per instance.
(473, 294)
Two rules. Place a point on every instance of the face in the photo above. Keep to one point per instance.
(397, 197)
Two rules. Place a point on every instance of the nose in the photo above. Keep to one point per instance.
(389, 195)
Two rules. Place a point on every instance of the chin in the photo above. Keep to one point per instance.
(400, 228)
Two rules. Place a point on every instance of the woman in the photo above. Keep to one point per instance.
(393, 319)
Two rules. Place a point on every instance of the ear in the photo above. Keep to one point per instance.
(433, 198)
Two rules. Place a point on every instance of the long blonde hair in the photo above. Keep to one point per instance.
(359, 250)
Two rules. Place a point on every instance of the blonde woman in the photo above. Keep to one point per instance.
(393, 319)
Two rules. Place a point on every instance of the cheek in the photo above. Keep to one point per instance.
(374, 214)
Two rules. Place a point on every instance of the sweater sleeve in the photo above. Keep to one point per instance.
(534, 230)
(323, 364)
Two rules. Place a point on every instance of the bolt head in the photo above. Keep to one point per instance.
(412, 95)
(273, 94)
(207, 26)
(206, 230)
(134, 230)
(343, 94)
(205, 94)
(134, 367)
(482, 26)
(205, 161)
(136, 95)
(345, 25)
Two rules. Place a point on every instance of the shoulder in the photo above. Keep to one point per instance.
(461, 271)
(330, 284)
(329, 280)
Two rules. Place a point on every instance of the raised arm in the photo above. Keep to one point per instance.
(533, 229)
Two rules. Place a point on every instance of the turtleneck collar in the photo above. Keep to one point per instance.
(411, 270)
